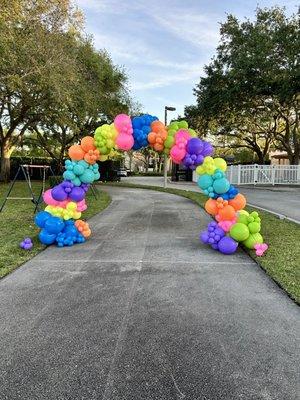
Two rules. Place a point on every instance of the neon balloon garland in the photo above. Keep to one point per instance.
(60, 223)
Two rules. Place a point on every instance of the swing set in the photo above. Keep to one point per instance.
(25, 170)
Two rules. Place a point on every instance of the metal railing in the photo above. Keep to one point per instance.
(262, 174)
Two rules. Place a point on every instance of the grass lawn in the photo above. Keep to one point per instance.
(17, 222)
(281, 261)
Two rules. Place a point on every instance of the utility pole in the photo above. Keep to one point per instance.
(167, 108)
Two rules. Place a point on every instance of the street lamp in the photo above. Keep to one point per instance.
(167, 108)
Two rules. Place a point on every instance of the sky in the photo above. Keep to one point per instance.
(164, 44)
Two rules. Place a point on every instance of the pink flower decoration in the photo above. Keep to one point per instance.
(260, 248)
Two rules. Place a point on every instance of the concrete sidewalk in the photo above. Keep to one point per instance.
(143, 311)
(279, 200)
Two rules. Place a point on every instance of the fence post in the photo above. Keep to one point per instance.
(231, 171)
(273, 174)
(239, 174)
(255, 175)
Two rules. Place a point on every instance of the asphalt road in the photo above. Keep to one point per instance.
(281, 200)
(144, 311)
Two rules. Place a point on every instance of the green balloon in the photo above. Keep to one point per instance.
(252, 240)
(254, 227)
(169, 141)
(183, 124)
(192, 133)
(239, 232)
(243, 219)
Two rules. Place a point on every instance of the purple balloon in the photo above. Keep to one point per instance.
(194, 146)
(61, 191)
(58, 193)
(77, 194)
(207, 150)
(227, 245)
(213, 235)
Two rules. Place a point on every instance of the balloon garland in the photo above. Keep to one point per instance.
(60, 222)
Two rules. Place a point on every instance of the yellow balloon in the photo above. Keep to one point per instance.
(103, 158)
(208, 166)
(220, 163)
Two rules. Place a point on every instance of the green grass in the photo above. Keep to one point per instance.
(17, 222)
(281, 261)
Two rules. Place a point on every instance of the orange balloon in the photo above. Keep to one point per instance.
(83, 227)
(76, 152)
(87, 143)
(151, 137)
(157, 125)
(211, 207)
(92, 156)
(239, 202)
(226, 213)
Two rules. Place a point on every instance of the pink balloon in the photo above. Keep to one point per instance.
(177, 154)
(81, 206)
(48, 199)
(182, 135)
(121, 120)
(124, 142)
(226, 225)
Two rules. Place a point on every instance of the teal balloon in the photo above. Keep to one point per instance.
(69, 175)
(205, 181)
(78, 169)
(87, 176)
(221, 185)
(76, 181)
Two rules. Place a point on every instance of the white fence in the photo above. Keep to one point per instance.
(262, 174)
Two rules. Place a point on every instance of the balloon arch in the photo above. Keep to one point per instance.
(61, 221)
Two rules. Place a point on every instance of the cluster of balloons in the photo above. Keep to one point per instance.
(233, 224)
(60, 222)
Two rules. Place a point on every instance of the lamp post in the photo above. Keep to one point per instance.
(167, 108)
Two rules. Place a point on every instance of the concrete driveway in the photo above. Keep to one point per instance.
(280, 200)
(144, 311)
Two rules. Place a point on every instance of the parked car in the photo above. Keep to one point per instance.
(122, 172)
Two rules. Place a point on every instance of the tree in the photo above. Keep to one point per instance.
(251, 88)
(97, 95)
(36, 65)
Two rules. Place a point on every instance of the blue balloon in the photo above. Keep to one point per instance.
(46, 237)
(54, 225)
(41, 218)
(141, 128)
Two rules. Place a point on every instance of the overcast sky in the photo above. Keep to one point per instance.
(163, 44)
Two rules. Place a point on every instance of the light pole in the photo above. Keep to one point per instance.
(167, 108)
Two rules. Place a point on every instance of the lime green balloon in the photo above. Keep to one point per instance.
(254, 227)
(243, 218)
(220, 163)
(183, 125)
(192, 132)
(252, 240)
(169, 142)
(243, 212)
(239, 232)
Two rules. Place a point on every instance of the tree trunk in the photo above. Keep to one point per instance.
(5, 163)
